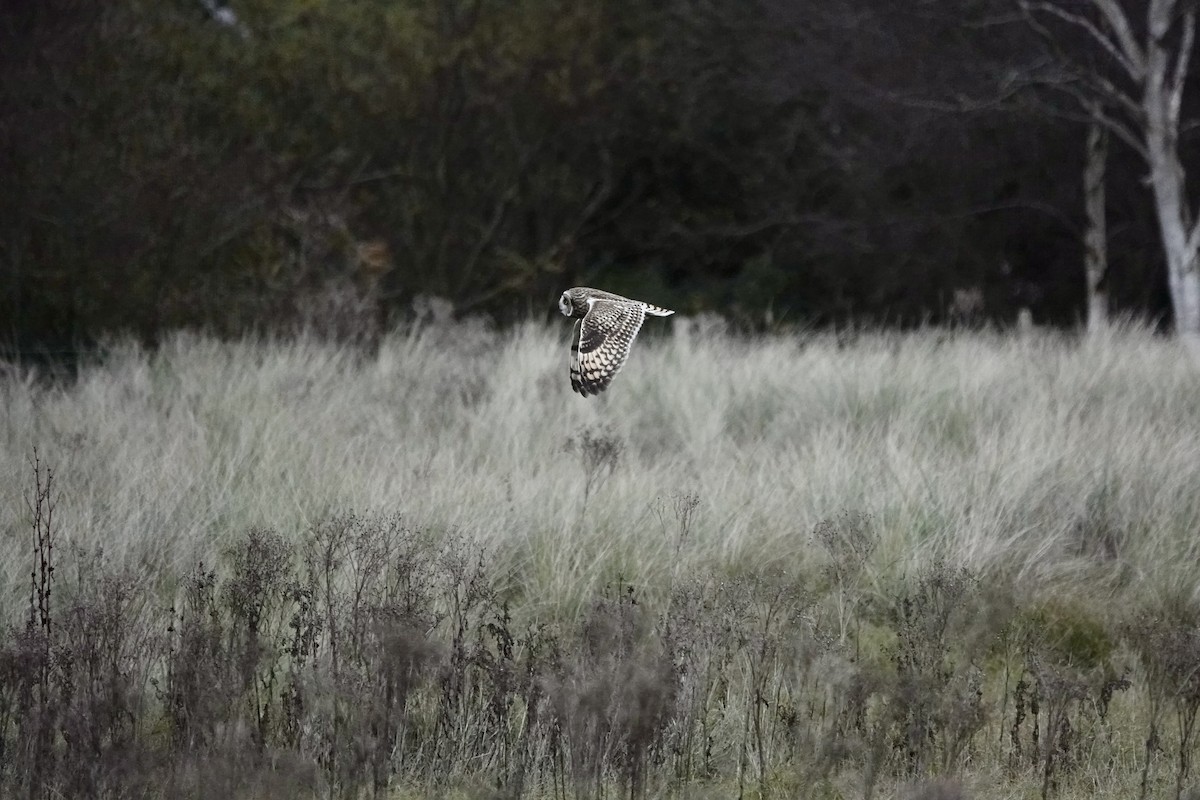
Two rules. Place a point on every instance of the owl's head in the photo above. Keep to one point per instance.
(573, 303)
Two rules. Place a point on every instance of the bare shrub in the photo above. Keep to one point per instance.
(708, 619)
(611, 700)
(1167, 642)
(755, 666)
(463, 729)
(849, 540)
(1056, 691)
(369, 581)
(31, 658)
(507, 666)
(198, 692)
(257, 600)
(1068, 683)
(599, 453)
(936, 702)
(103, 657)
(73, 679)
(775, 637)
(682, 506)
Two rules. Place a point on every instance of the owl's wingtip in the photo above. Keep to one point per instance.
(587, 389)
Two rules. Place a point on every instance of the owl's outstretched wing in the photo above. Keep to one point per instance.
(601, 343)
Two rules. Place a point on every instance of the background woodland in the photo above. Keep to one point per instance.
(290, 162)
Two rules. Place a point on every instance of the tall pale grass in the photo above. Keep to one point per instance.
(1065, 464)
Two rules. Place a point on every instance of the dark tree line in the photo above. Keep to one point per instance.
(774, 160)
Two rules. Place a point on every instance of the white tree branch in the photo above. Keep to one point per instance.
(1086, 89)
(1159, 18)
(1193, 239)
(1121, 130)
(1126, 53)
(1102, 86)
(1116, 95)
(1123, 31)
(1186, 41)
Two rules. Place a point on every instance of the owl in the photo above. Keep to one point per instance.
(606, 327)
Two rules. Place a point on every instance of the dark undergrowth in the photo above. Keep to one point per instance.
(373, 659)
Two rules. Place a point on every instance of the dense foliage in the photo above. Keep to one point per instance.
(332, 160)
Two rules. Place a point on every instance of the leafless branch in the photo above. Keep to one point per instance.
(1081, 72)
(1084, 86)
(1118, 127)
(1193, 239)
(733, 231)
(1122, 132)
(1160, 16)
(992, 21)
(600, 194)
(961, 104)
(488, 233)
(1115, 15)
(1187, 40)
(1128, 55)
(1113, 93)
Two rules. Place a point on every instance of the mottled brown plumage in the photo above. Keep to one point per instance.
(606, 327)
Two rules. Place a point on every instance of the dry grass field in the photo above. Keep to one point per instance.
(927, 565)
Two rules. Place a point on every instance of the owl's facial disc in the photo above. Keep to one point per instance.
(564, 305)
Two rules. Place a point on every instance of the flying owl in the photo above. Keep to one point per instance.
(606, 327)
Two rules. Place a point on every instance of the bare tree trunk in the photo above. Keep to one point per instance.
(1182, 276)
(1166, 183)
(1161, 101)
(1155, 59)
(1095, 240)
